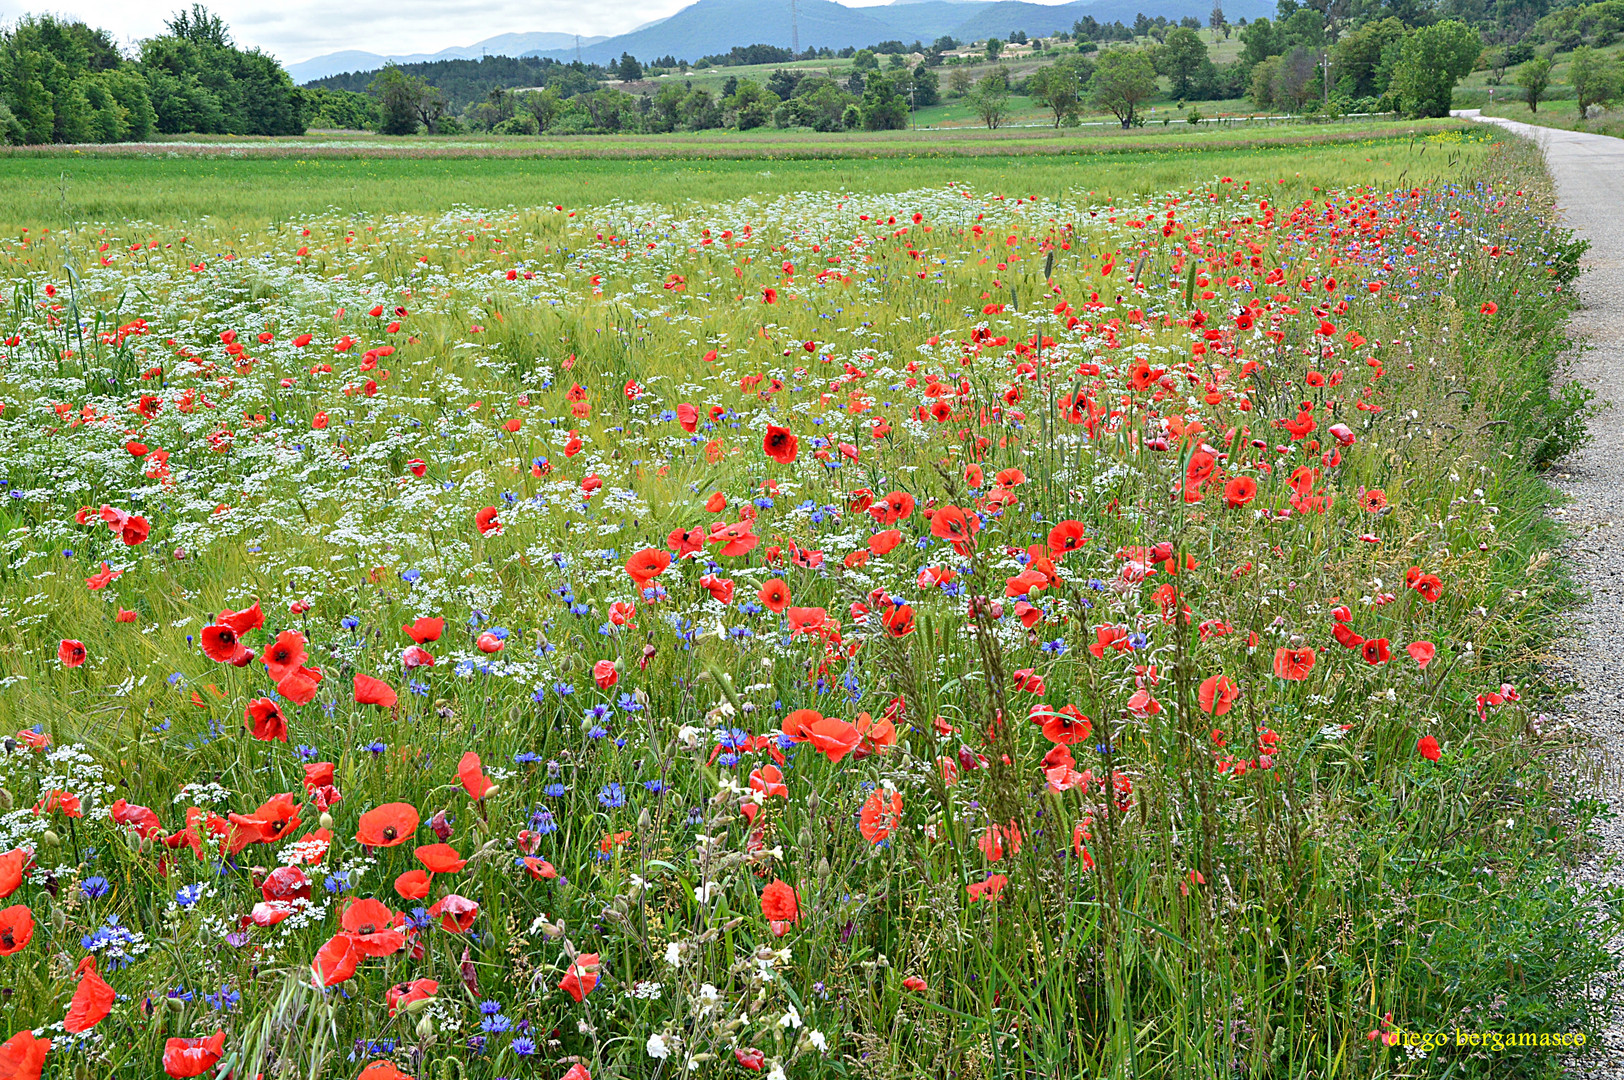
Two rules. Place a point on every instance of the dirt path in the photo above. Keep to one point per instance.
(1589, 174)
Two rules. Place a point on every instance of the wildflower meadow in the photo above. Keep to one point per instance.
(939, 632)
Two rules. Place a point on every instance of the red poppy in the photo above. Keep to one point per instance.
(895, 507)
(249, 618)
(748, 1057)
(899, 621)
(300, 687)
(413, 885)
(382, 1070)
(22, 1056)
(1067, 537)
(424, 631)
(265, 720)
(1239, 491)
(285, 883)
(1376, 651)
(440, 858)
(954, 525)
(220, 643)
(285, 656)
(141, 818)
(336, 961)
(774, 595)
(407, 992)
(721, 589)
(769, 780)
(1293, 664)
(581, 977)
(881, 815)
(1063, 726)
(1345, 636)
(12, 865)
(829, 735)
(778, 902)
(485, 521)
(387, 825)
(70, 652)
(472, 774)
(1421, 652)
(686, 543)
(370, 691)
(539, 869)
(646, 565)
(1428, 748)
(780, 444)
(92, 999)
(272, 821)
(16, 930)
(193, 1057)
(457, 913)
(372, 925)
(1217, 693)
(65, 801)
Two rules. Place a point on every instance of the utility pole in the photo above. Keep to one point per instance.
(794, 29)
(577, 48)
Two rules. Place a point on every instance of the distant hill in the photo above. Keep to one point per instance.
(320, 67)
(709, 27)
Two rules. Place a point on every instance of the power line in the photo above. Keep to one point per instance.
(794, 29)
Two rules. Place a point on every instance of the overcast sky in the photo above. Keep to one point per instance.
(295, 30)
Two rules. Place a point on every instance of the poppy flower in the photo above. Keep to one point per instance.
(272, 821)
(1238, 491)
(457, 913)
(405, 993)
(265, 720)
(387, 825)
(12, 865)
(747, 1057)
(284, 656)
(16, 930)
(336, 961)
(1345, 636)
(440, 858)
(372, 926)
(778, 902)
(895, 507)
(581, 977)
(899, 621)
(1376, 651)
(952, 524)
(472, 774)
(220, 643)
(424, 631)
(22, 1057)
(382, 1070)
(70, 652)
(829, 735)
(605, 674)
(646, 565)
(988, 889)
(141, 818)
(1428, 748)
(92, 999)
(721, 589)
(774, 595)
(1063, 726)
(916, 984)
(769, 780)
(1293, 664)
(539, 869)
(413, 885)
(193, 1057)
(1421, 652)
(1430, 586)
(882, 543)
(881, 815)
(285, 883)
(370, 691)
(780, 444)
(300, 687)
(1067, 537)
(1216, 694)
(485, 521)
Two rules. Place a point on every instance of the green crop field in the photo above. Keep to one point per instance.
(1040, 604)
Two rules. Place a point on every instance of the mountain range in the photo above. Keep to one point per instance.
(709, 27)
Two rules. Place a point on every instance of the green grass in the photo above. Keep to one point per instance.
(1068, 357)
(278, 179)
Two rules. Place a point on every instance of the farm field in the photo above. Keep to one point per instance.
(996, 613)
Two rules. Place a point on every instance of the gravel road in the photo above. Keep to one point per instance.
(1589, 174)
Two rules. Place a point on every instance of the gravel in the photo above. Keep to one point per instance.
(1589, 174)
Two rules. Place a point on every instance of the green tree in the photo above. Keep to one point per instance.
(1123, 80)
(1431, 61)
(865, 60)
(1593, 76)
(752, 105)
(927, 87)
(884, 109)
(25, 94)
(994, 47)
(990, 98)
(1058, 89)
(1259, 42)
(1261, 88)
(1534, 77)
(398, 97)
(129, 89)
(629, 69)
(1357, 58)
(1183, 59)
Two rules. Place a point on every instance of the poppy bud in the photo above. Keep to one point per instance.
(59, 918)
(440, 825)
(326, 820)
(6, 799)
(643, 820)
(812, 803)
(425, 1027)
(50, 839)
(175, 1003)
(823, 868)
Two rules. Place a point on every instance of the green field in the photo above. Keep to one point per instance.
(878, 607)
(240, 180)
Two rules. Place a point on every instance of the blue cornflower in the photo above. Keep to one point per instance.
(612, 795)
(94, 888)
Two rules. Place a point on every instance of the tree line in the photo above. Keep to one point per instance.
(62, 81)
